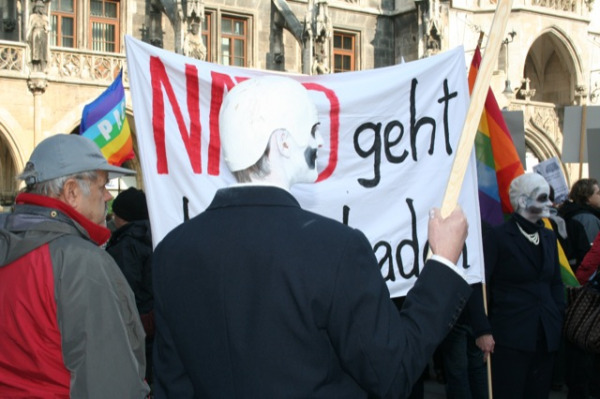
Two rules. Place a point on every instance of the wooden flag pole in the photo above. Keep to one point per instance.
(478, 96)
(582, 138)
(480, 40)
(467, 137)
(488, 363)
(484, 291)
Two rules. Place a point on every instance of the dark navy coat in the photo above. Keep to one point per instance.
(524, 286)
(257, 298)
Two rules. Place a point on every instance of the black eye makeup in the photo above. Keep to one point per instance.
(314, 129)
(542, 198)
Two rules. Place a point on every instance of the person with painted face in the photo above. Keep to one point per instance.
(525, 295)
(267, 300)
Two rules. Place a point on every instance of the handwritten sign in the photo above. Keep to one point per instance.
(390, 137)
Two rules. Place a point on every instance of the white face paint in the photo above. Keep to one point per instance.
(304, 154)
(538, 205)
(532, 195)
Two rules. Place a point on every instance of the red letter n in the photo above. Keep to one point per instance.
(219, 83)
(191, 139)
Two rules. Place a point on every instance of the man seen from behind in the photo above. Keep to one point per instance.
(258, 298)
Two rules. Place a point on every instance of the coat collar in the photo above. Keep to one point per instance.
(53, 208)
(245, 195)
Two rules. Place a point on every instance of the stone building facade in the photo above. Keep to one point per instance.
(58, 55)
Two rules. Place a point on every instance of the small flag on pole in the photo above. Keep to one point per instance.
(498, 162)
(104, 121)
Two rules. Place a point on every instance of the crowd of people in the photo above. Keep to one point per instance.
(521, 332)
(299, 309)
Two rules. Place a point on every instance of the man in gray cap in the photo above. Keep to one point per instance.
(68, 321)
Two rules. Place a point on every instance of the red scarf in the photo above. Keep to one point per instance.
(98, 234)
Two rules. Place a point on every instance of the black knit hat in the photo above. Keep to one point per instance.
(130, 205)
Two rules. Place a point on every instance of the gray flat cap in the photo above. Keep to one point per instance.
(64, 155)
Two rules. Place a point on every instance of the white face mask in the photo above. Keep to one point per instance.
(537, 204)
(304, 155)
(530, 196)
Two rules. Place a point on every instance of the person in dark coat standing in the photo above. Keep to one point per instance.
(582, 214)
(526, 296)
(131, 247)
(258, 298)
(582, 217)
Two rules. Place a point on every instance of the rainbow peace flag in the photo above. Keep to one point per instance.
(104, 121)
(498, 162)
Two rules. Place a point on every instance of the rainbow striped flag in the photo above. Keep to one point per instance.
(104, 121)
(566, 273)
(498, 162)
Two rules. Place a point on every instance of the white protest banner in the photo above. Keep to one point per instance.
(390, 136)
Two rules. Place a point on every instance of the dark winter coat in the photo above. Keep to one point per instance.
(258, 298)
(68, 324)
(131, 248)
(583, 225)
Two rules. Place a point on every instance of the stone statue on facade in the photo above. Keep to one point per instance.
(312, 32)
(323, 25)
(191, 13)
(433, 40)
(193, 45)
(431, 28)
(183, 15)
(322, 33)
(37, 37)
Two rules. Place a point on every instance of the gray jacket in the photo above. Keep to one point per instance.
(102, 339)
